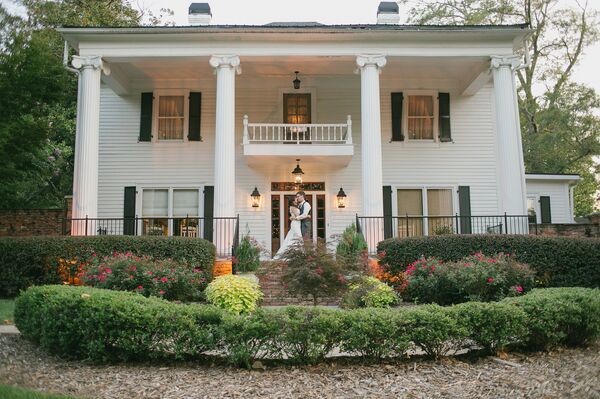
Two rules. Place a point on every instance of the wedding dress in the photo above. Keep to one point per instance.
(294, 234)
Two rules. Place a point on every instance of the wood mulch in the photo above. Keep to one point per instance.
(567, 373)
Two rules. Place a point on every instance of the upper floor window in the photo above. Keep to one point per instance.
(171, 117)
(420, 117)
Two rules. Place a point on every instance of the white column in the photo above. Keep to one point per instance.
(371, 159)
(85, 174)
(226, 67)
(512, 170)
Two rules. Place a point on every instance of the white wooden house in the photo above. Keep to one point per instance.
(177, 127)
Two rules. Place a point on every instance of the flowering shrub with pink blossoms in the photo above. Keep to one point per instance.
(165, 278)
(474, 278)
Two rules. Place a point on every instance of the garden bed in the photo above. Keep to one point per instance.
(563, 373)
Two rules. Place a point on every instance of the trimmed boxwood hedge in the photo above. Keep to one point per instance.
(26, 261)
(558, 261)
(102, 325)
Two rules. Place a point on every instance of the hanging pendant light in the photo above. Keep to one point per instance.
(297, 81)
(297, 173)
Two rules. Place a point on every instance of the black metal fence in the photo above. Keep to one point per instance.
(222, 231)
(378, 228)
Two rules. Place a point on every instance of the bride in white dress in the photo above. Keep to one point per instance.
(295, 232)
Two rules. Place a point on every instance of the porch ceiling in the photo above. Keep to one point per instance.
(144, 71)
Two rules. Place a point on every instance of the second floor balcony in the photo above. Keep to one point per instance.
(282, 141)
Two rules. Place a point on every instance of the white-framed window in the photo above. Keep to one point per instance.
(425, 210)
(171, 112)
(533, 208)
(420, 108)
(171, 211)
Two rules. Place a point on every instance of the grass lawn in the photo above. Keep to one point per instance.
(7, 306)
(8, 392)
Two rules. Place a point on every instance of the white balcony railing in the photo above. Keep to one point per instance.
(289, 133)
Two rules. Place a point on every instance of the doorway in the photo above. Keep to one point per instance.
(280, 217)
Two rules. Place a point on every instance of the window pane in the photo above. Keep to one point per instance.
(439, 202)
(420, 128)
(410, 202)
(185, 203)
(170, 129)
(170, 106)
(155, 203)
(531, 213)
(420, 106)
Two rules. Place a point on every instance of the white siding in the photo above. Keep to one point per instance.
(560, 203)
(470, 160)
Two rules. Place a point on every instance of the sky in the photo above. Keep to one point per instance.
(256, 12)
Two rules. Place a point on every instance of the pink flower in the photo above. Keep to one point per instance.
(164, 279)
(155, 279)
(93, 255)
(490, 280)
(140, 287)
(519, 288)
(108, 270)
(131, 277)
(161, 292)
(319, 271)
(150, 273)
(133, 268)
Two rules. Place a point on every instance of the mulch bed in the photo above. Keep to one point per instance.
(565, 373)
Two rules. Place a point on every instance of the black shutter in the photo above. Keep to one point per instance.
(146, 117)
(444, 117)
(209, 205)
(387, 211)
(464, 206)
(397, 99)
(129, 211)
(194, 116)
(545, 209)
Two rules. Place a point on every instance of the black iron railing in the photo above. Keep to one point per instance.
(378, 228)
(223, 231)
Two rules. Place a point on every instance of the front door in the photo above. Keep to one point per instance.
(280, 217)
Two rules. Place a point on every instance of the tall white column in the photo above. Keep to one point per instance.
(85, 176)
(371, 158)
(226, 67)
(511, 165)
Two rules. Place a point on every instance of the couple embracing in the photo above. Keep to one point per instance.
(300, 226)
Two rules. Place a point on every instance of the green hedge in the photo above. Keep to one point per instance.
(558, 261)
(26, 261)
(103, 325)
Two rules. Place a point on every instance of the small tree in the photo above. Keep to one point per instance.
(352, 251)
(311, 271)
(247, 255)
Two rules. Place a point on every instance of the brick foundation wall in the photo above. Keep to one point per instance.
(275, 294)
(31, 222)
(567, 230)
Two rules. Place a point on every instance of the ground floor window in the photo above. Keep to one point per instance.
(424, 211)
(171, 211)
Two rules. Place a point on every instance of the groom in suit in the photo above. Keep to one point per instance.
(304, 217)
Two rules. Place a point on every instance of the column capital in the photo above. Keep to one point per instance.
(226, 61)
(91, 62)
(510, 61)
(376, 60)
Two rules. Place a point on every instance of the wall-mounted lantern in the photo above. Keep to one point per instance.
(341, 198)
(255, 198)
(296, 81)
(297, 173)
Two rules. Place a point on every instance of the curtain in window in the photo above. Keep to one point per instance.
(439, 203)
(420, 117)
(410, 202)
(185, 203)
(170, 118)
(155, 203)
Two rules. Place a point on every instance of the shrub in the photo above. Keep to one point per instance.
(560, 316)
(435, 329)
(310, 271)
(26, 261)
(369, 292)
(475, 278)
(234, 293)
(374, 333)
(557, 261)
(247, 255)
(492, 326)
(163, 278)
(352, 249)
(103, 325)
